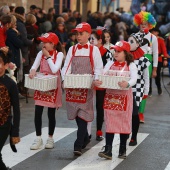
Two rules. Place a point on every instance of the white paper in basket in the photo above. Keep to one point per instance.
(78, 81)
(41, 82)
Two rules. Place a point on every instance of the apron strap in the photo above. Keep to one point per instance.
(91, 57)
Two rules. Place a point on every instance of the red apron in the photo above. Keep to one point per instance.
(52, 98)
(79, 102)
(118, 105)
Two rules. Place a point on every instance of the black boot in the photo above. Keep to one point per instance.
(107, 153)
(122, 152)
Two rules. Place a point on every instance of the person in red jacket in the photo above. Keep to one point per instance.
(162, 57)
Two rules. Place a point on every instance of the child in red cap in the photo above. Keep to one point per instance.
(82, 58)
(50, 60)
(118, 103)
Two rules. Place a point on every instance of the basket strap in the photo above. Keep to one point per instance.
(91, 58)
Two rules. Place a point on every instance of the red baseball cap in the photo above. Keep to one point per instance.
(122, 46)
(84, 26)
(49, 37)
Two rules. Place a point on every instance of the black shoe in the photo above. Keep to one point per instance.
(122, 152)
(150, 94)
(9, 168)
(85, 144)
(159, 91)
(107, 153)
(99, 138)
(132, 142)
(77, 152)
(90, 137)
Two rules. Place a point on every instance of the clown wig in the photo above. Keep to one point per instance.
(144, 17)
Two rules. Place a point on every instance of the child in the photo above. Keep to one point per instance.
(71, 41)
(61, 33)
(141, 88)
(82, 59)
(145, 20)
(8, 97)
(49, 60)
(107, 44)
(118, 103)
(97, 38)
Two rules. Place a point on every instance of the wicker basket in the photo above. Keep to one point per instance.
(78, 81)
(111, 82)
(41, 82)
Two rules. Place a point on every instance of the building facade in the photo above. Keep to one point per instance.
(92, 5)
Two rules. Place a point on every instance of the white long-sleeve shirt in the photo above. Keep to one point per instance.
(98, 64)
(153, 48)
(53, 66)
(132, 68)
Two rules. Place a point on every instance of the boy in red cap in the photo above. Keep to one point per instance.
(82, 58)
(50, 60)
(118, 103)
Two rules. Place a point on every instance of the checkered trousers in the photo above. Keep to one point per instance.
(138, 88)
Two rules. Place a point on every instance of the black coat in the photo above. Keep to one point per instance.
(14, 43)
(26, 42)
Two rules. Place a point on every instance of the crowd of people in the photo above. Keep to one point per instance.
(62, 45)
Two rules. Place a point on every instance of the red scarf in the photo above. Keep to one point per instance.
(119, 64)
(138, 53)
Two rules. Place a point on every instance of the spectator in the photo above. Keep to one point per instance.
(5, 23)
(71, 41)
(47, 25)
(32, 33)
(12, 9)
(4, 10)
(70, 24)
(20, 15)
(61, 33)
(14, 43)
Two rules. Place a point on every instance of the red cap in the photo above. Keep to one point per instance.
(122, 46)
(84, 26)
(49, 37)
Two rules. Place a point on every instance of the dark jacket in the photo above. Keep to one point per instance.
(14, 43)
(32, 33)
(26, 42)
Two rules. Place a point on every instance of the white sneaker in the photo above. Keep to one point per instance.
(37, 144)
(49, 144)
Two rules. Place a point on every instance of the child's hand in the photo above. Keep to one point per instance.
(15, 140)
(12, 66)
(45, 52)
(123, 84)
(97, 83)
(32, 74)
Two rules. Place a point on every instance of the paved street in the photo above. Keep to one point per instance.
(152, 152)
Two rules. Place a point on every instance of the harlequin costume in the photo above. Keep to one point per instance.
(141, 88)
(118, 105)
(81, 59)
(151, 53)
(53, 98)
